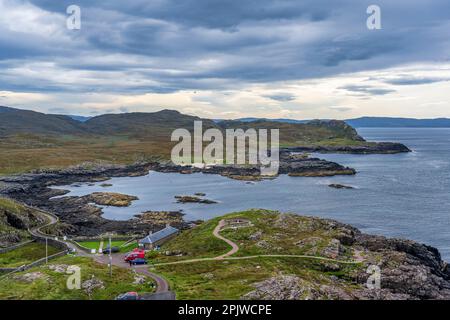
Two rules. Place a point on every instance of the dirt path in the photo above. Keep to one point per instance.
(234, 246)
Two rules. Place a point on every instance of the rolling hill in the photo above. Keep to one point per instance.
(14, 121)
(144, 125)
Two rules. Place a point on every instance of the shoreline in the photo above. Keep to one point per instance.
(79, 216)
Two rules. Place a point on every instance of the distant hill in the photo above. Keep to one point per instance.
(141, 124)
(384, 122)
(266, 119)
(79, 118)
(14, 121)
(370, 122)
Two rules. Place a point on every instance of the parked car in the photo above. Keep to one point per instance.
(113, 250)
(139, 261)
(128, 296)
(135, 254)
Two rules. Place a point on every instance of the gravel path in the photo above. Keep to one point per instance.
(234, 246)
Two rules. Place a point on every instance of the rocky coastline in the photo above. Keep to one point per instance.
(369, 148)
(79, 216)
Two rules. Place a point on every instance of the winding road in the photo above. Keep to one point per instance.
(162, 286)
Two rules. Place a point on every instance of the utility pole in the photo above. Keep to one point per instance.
(110, 257)
(46, 250)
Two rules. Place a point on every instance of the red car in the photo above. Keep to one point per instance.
(135, 254)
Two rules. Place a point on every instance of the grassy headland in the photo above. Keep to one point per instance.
(270, 233)
(31, 140)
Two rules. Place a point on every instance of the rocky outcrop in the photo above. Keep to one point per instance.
(283, 287)
(14, 222)
(161, 217)
(363, 148)
(89, 286)
(193, 199)
(340, 186)
(289, 163)
(111, 199)
(407, 269)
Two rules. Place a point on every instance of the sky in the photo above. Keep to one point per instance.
(227, 59)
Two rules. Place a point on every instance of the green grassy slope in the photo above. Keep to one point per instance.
(25, 255)
(15, 219)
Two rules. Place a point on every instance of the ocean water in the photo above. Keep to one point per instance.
(402, 195)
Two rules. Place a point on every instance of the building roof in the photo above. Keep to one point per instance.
(161, 234)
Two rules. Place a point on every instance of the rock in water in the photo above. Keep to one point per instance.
(340, 186)
(193, 199)
(111, 199)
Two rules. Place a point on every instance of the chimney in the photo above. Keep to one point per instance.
(150, 233)
(167, 225)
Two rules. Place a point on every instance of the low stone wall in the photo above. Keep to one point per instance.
(52, 242)
(43, 260)
(106, 239)
(36, 263)
(16, 246)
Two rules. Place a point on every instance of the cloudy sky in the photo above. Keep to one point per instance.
(297, 59)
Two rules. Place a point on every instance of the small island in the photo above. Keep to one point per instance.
(111, 199)
(340, 186)
(193, 199)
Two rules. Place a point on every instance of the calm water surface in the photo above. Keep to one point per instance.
(403, 195)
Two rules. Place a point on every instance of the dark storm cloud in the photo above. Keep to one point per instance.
(170, 45)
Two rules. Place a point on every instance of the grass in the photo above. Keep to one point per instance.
(128, 247)
(11, 205)
(22, 218)
(233, 279)
(118, 243)
(25, 255)
(52, 285)
(90, 244)
(23, 153)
